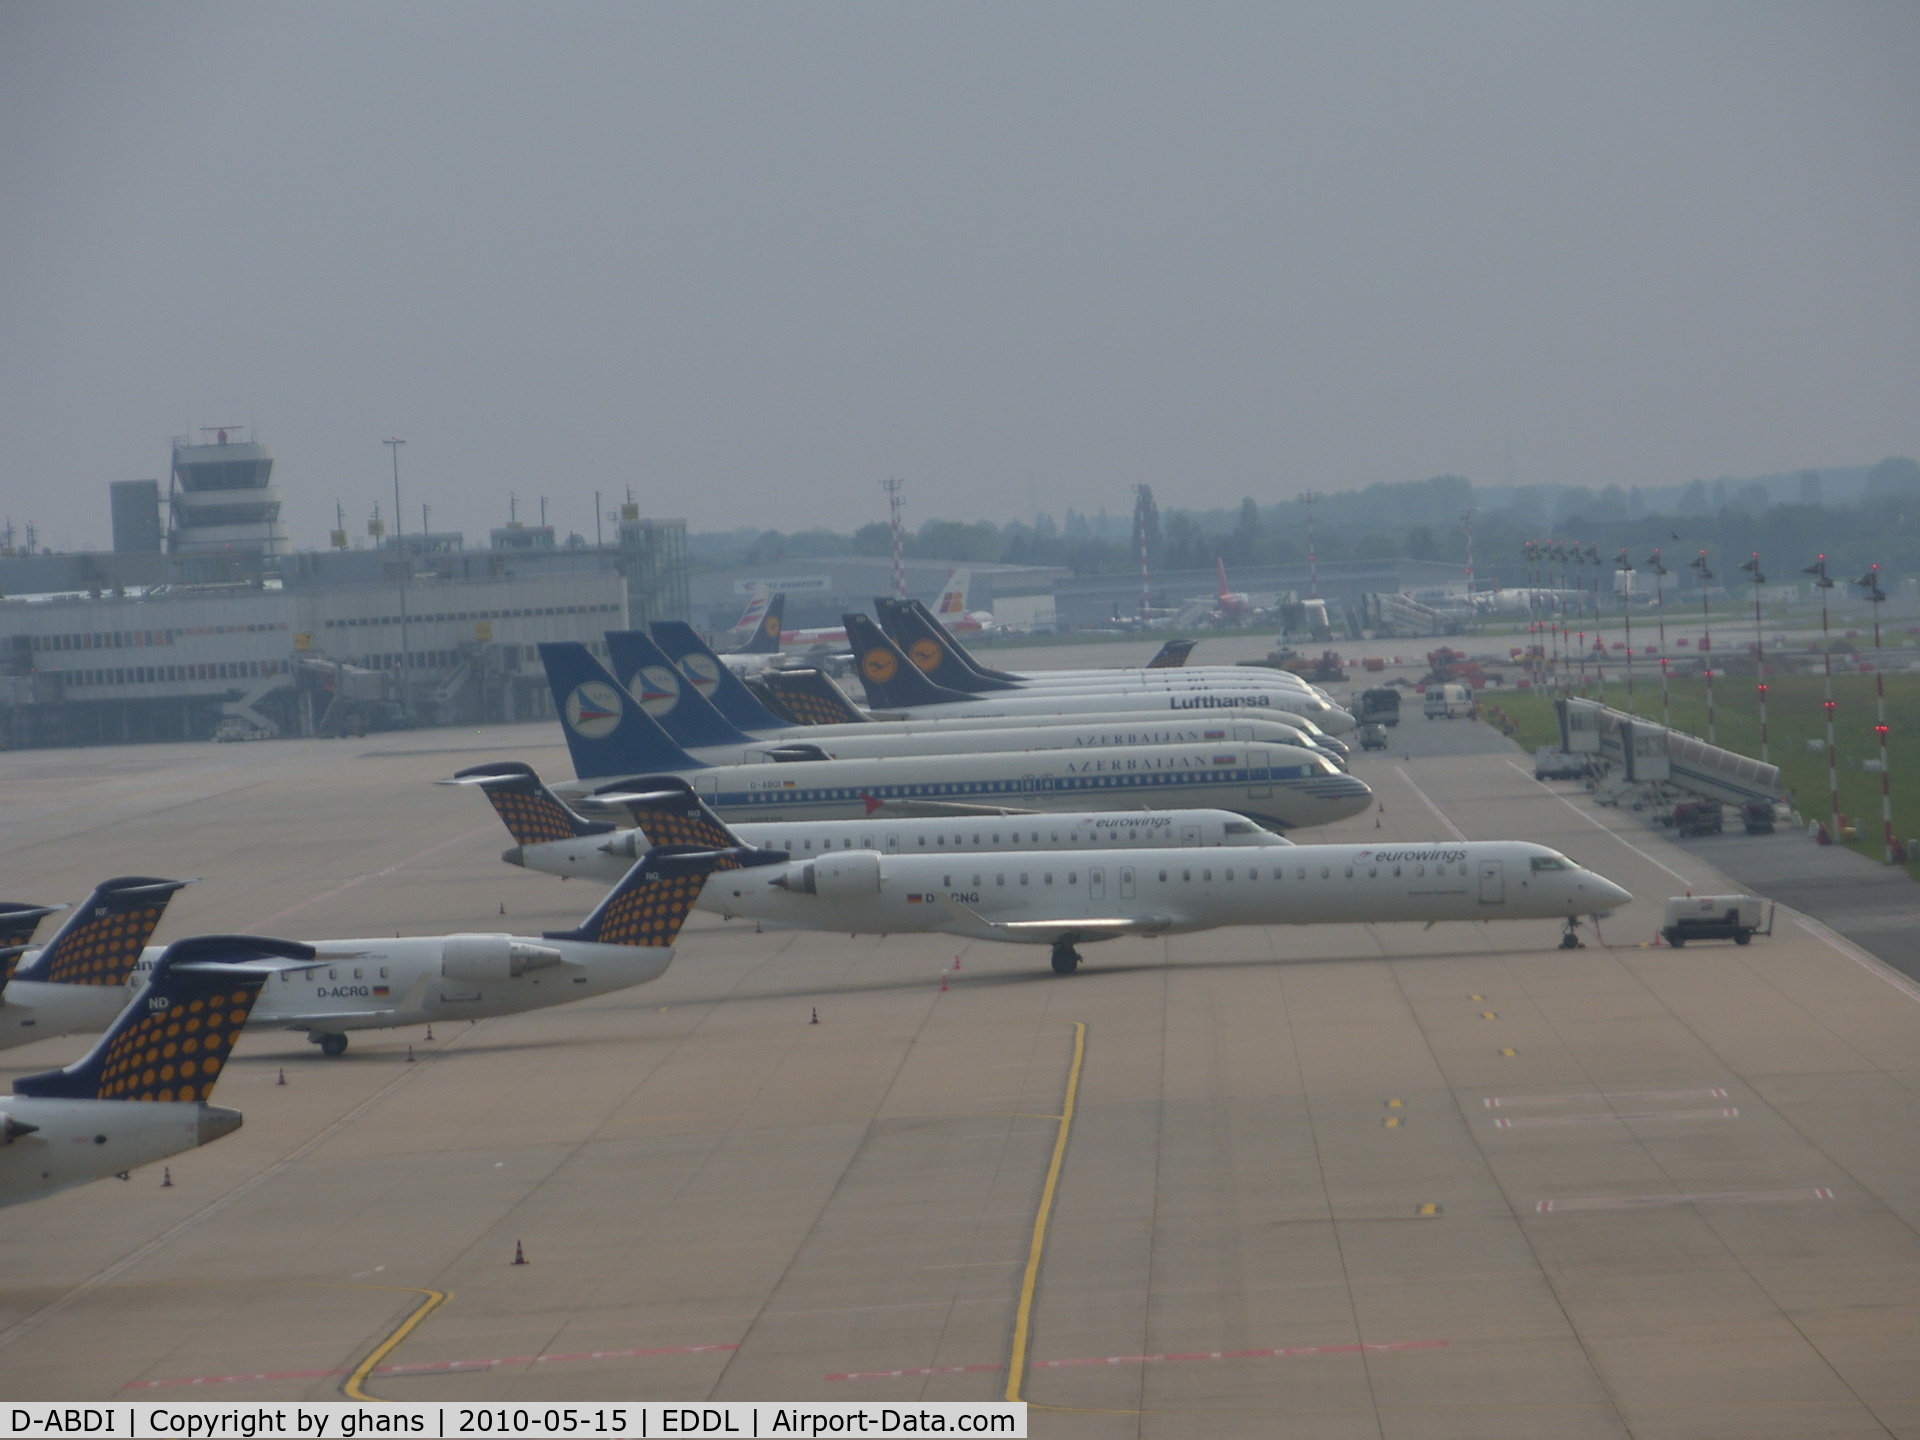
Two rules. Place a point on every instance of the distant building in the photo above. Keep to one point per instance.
(515, 536)
(223, 499)
(136, 516)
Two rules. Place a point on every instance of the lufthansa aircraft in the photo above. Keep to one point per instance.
(1281, 787)
(141, 1093)
(1063, 898)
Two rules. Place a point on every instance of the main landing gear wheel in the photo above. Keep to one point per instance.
(1570, 938)
(1066, 959)
(332, 1045)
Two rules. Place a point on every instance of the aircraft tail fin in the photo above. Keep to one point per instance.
(19, 920)
(952, 604)
(956, 649)
(809, 697)
(1220, 561)
(712, 677)
(890, 678)
(765, 639)
(102, 939)
(1172, 655)
(749, 621)
(174, 1037)
(667, 694)
(931, 649)
(666, 811)
(532, 813)
(649, 906)
(607, 731)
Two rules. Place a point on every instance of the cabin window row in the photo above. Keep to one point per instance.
(334, 972)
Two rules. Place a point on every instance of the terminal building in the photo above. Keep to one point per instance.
(228, 633)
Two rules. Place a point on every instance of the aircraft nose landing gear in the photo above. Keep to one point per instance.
(1066, 959)
(1570, 937)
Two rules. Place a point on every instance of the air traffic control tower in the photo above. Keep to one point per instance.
(222, 499)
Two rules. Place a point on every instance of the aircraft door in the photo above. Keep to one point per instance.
(1097, 881)
(1029, 784)
(1189, 834)
(1126, 882)
(1493, 882)
(1259, 775)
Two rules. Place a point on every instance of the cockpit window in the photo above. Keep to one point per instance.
(1551, 862)
(1239, 827)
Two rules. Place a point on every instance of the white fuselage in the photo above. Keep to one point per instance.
(1020, 704)
(1164, 891)
(365, 985)
(75, 1141)
(1010, 737)
(1281, 787)
(609, 857)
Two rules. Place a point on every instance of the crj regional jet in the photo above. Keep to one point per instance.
(1064, 898)
(140, 1094)
(380, 983)
(552, 838)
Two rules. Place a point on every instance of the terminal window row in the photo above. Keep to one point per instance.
(473, 615)
(162, 674)
(121, 639)
(447, 659)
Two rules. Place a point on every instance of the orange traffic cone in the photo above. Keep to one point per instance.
(283, 1076)
(816, 1016)
(519, 1255)
(166, 1178)
(409, 1054)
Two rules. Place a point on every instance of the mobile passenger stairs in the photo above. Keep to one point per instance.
(1646, 766)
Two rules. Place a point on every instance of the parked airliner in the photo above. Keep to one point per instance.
(610, 736)
(380, 983)
(552, 838)
(1064, 898)
(140, 1094)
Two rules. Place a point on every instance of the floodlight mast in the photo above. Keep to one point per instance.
(1699, 562)
(1624, 563)
(1870, 582)
(1823, 583)
(1660, 608)
(1752, 567)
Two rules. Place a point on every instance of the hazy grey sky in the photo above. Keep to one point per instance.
(751, 258)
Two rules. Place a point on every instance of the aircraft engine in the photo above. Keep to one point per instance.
(12, 1129)
(478, 959)
(845, 876)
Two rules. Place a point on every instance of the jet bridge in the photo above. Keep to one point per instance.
(1650, 753)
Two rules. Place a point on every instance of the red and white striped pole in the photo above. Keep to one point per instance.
(1870, 582)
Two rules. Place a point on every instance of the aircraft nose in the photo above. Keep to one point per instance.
(1607, 895)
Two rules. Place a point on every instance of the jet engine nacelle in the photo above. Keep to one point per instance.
(479, 959)
(846, 876)
(12, 1129)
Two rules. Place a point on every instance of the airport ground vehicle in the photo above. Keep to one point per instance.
(1379, 706)
(1552, 764)
(1697, 817)
(1757, 817)
(1448, 702)
(1715, 917)
(1373, 736)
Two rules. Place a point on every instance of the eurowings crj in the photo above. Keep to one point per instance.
(1065, 898)
(549, 836)
(377, 984)
(140, 1094)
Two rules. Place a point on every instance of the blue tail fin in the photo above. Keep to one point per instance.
(931, 626)
(925, 643)
(607, 731)
(809, 697)
(667, 695)
(712, 678)
(766, 635)
(532, 813)
(891, 679)
(650, 905)
(19, 920)
(103, 937)
(174, 1037)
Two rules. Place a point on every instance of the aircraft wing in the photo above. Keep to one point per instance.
(1107, 928)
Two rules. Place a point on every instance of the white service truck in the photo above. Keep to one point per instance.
(1715, 917)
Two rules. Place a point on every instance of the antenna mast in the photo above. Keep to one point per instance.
(894, 503)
